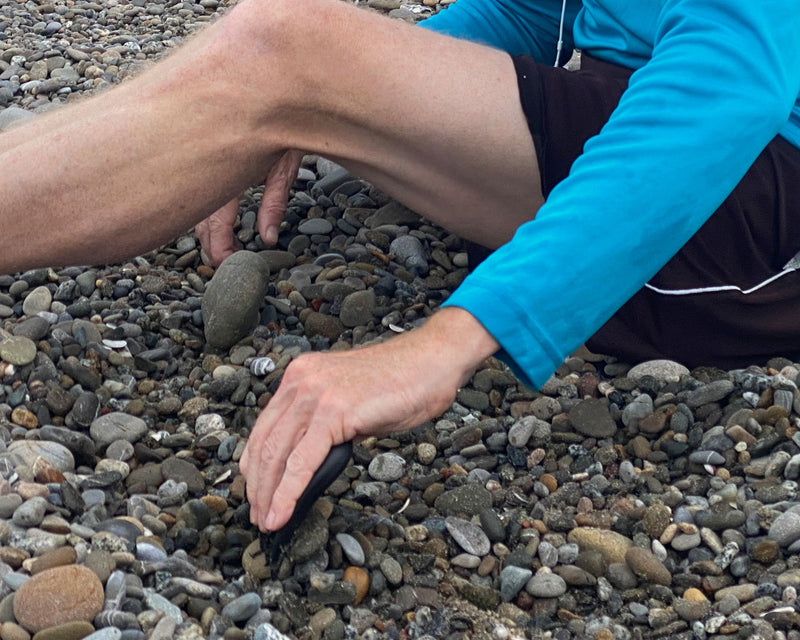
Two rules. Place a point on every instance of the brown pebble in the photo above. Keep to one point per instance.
(611, 545)
(24, 418)
(360, 579)
(237, 488)
(549, 481)
(594, 519)
(645, 565)
(603, 634)
(12, 631)
(765, 552)
(55, 524)
(694, 595)
(204, 271)
(487, 565)
(50, 598)
(67, 631)
(28, 490)
(13, 557)
(217, 504)
(101, 563)
(654, 423)
(44, 472)
(691, 610)
(54, 558)
(255, 562)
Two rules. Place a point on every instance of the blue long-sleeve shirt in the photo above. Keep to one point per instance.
(715, 81)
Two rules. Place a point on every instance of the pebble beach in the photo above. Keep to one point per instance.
(621, 501)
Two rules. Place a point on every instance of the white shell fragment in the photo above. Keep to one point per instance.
(261, 366)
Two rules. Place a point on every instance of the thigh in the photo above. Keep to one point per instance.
(731, 296)
(434, 121)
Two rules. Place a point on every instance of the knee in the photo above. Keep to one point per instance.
(266, 27)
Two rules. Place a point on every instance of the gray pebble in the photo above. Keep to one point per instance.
(352, 549)
(243, 607)
(387, 467)
(470, 537)
(512, 581)
(545, 584)
(30, 513)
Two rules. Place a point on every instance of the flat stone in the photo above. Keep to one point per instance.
(50, 598)
(243, 607)
(37, 300)
(18, 350)
(645, 565)
(351, 548)
(117, 426)
(785, 529)
(77, 630)
(469, 537)
(612, 546)
(357, 308)
(183, 471)
(591, 418)
(711, 392)
(468, 500)
(25, 453)
(661, 370)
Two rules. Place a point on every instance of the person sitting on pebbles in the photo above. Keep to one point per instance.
(643, 204)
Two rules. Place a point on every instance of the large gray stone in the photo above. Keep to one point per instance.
(117, 426)
(233, 298)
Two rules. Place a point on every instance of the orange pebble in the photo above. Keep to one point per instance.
(358, 577)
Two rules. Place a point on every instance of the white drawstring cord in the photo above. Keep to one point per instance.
(560, 44)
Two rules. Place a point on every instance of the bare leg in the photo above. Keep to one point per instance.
(433, 121)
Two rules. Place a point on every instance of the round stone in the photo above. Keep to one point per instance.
(545, 584)
(51, 598)
(387, 467)
(18, 350)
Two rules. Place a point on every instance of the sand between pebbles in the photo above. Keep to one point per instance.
(616, 502)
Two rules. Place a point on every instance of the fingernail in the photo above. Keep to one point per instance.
(270, 520)
(271, 235)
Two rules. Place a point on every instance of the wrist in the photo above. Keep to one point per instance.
(460, 339)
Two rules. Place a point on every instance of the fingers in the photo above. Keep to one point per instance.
(302, 463)
(216, 232)
(276, 192)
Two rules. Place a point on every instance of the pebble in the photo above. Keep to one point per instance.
(351, 548)
(115, 426)
(469, 537)
(232, 299)
(512, 580)
(592, 418)
(387, 467)
(661, 370)
(545, 584)
(243, 607)
(123, 400)
(49, 598)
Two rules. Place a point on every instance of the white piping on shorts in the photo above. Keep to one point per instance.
(790, 267)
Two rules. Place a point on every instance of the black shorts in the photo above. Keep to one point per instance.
(731, 296)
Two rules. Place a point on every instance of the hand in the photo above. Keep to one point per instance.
(216, 231)
(326, 399)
